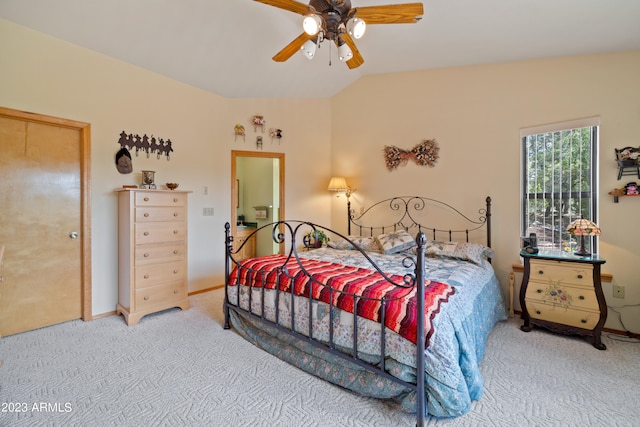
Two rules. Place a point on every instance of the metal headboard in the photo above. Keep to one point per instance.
(406, 210)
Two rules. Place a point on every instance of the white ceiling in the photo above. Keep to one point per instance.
(225, 46)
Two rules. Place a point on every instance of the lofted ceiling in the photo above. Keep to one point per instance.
(226, 46)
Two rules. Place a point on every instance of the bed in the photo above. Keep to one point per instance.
(346, 312)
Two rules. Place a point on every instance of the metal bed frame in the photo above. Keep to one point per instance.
(405, 209)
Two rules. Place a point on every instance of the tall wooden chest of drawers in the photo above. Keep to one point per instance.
(152, 244)
(563, 293)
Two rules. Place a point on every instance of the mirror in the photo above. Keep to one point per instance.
(257, 195)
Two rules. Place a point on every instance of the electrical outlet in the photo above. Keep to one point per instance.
(618, 291)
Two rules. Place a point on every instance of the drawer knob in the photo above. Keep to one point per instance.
(583, 320)
(175, 231)
(579, 276)
(146, 276)
(540, 272)
(175, 214)
(175, 251)
(146, 298)
(146, 214)
(538, 312)
(539, 291)
(175, 291)
(146, 255)
(146, 233)
(581, 297)
(175, 271)
(146, 199)
(175, 199)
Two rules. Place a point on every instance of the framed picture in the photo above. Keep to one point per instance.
(261, 212)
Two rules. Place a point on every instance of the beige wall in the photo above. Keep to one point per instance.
(475, 113)
(48, 76)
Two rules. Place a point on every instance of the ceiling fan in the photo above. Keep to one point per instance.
(338, 22)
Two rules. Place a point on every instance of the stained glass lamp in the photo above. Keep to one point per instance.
(583, 227)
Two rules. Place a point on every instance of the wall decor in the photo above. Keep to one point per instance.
(259, 142)
(423, 154)
(261, 212)
(275, 133)
(147, 144)
(123, 161)
(258, 122)
(238, 130)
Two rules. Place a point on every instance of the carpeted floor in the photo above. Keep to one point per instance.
(181, 368)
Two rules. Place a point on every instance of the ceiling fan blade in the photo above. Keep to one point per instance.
(357, 59)
(408, 13)
(293, 47)
(290, 5)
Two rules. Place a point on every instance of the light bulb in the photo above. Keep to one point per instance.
(311, 24)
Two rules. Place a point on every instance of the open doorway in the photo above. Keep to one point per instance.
(257, 197)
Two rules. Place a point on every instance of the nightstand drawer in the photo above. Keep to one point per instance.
(573, 317)
(574, 273)
(562, 296)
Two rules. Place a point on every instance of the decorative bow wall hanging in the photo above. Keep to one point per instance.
(146, 144)
(423, 154)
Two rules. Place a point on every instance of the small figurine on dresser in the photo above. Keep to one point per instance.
(148, 180)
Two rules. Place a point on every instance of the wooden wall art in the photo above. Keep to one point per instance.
(147, 144)
(423, 154)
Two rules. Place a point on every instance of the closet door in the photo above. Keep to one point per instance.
(41, 227)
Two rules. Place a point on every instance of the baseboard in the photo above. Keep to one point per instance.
(202, 291)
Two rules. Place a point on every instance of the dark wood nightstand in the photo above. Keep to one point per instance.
(563, 293)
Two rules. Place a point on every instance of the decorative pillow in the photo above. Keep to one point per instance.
(341, 244)
(473, 252)
(395, 242)
(367, 244)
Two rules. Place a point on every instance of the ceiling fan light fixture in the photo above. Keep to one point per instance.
(344, 52)
(312, 24)
(356, 27)
(308, 49)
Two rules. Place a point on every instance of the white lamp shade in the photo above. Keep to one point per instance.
(338, 183)
(312, 24)
(356, 27)
(344, 52)
(308, 49)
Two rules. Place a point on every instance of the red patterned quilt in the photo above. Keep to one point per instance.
(342, 282)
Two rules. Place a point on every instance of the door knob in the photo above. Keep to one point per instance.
(73, 235)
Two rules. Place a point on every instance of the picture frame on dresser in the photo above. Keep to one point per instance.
(562, 292)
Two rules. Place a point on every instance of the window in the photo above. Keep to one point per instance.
(559, 181)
